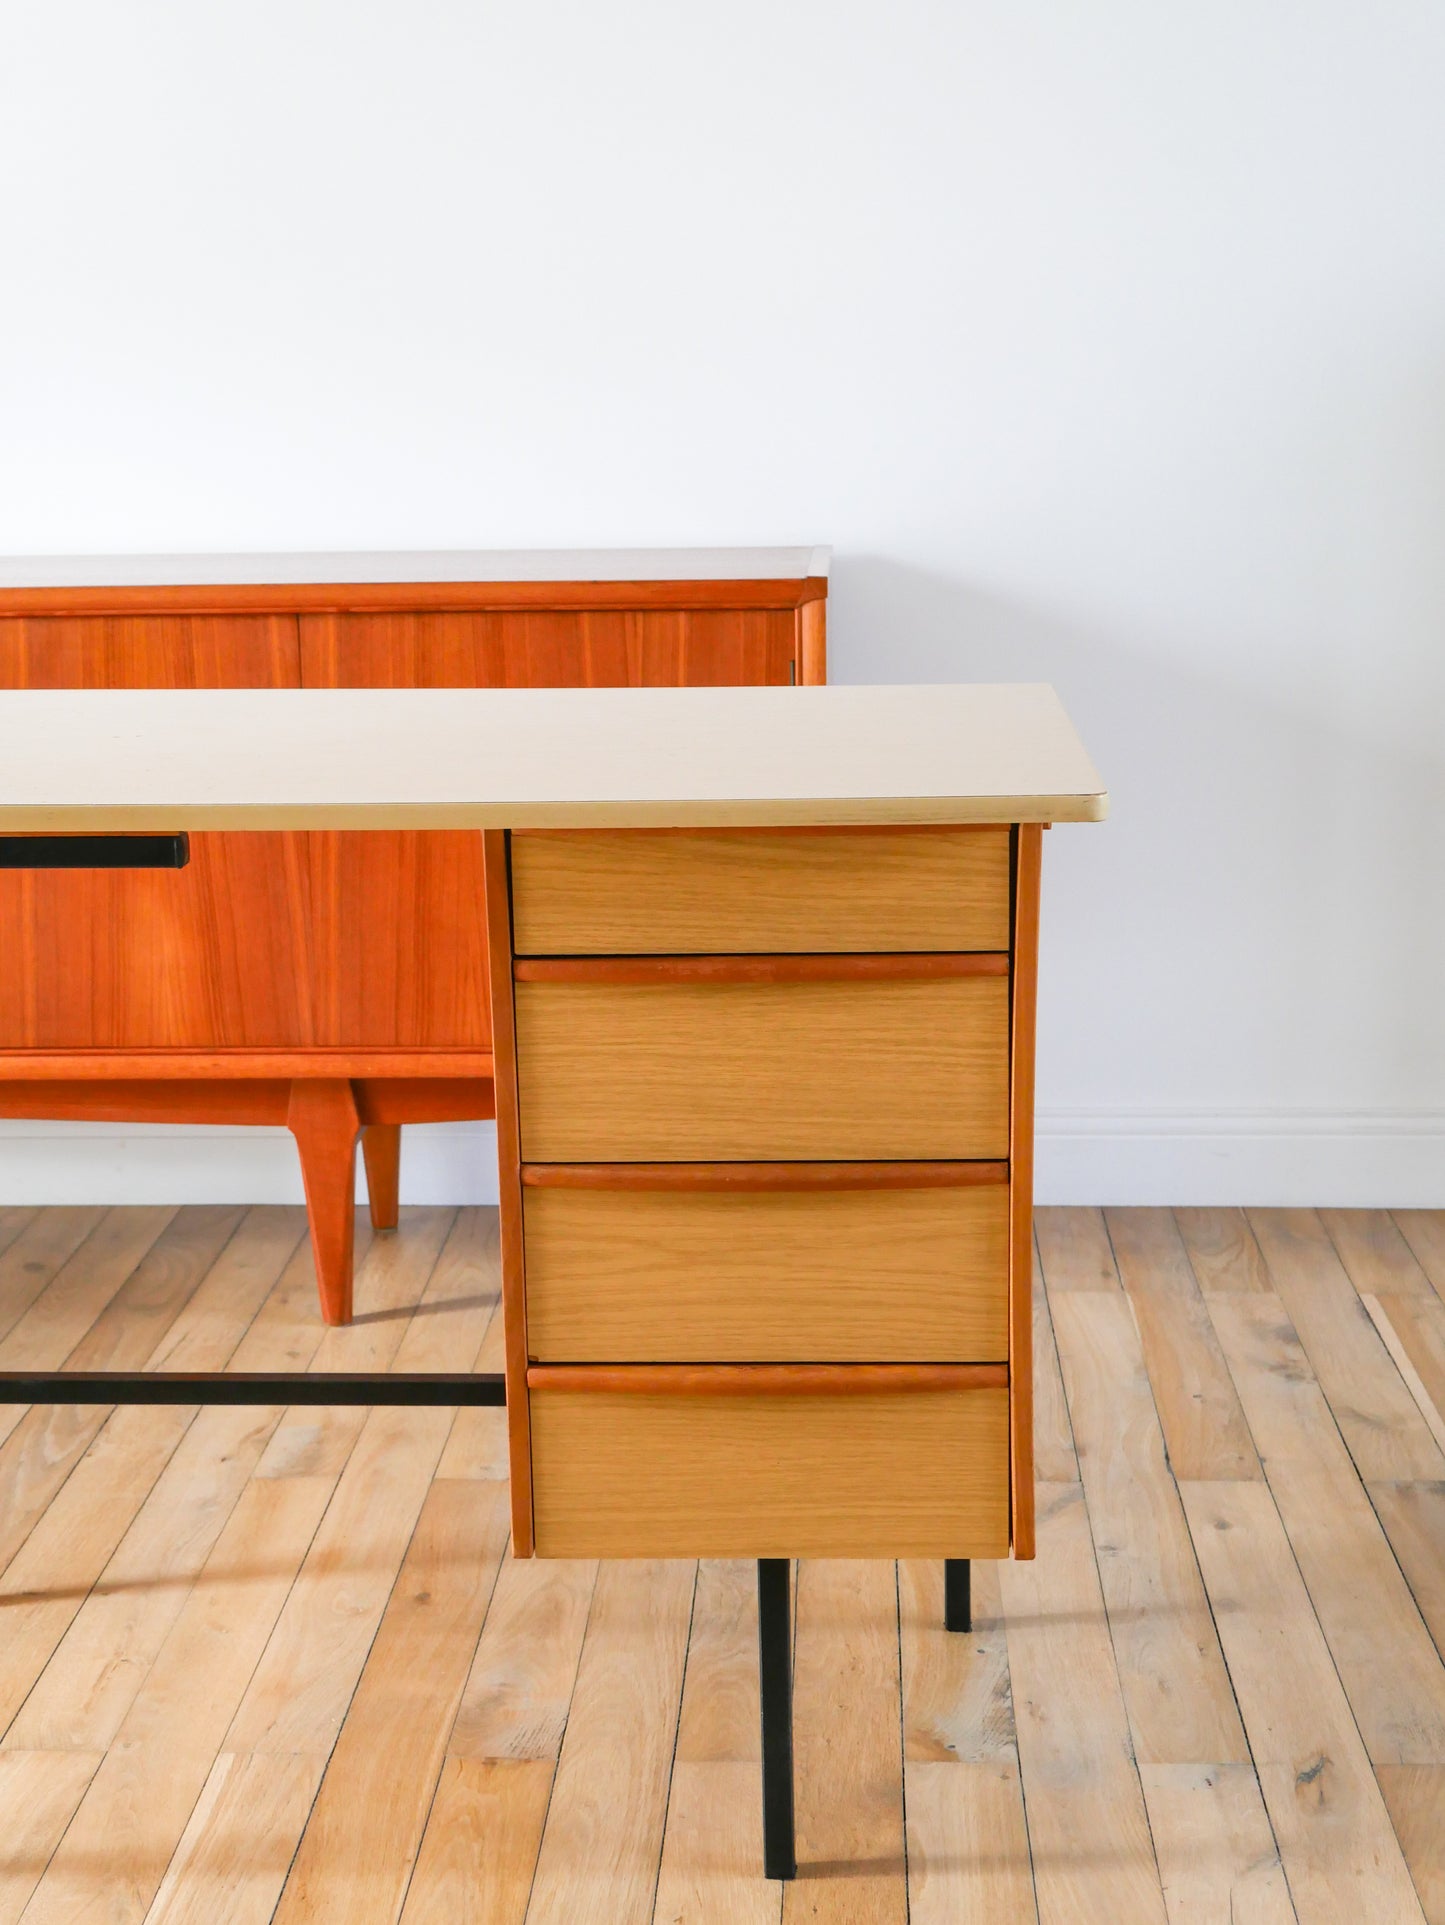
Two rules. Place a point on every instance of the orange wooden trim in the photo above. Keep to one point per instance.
(255, 1101)
(813, 643)
(774, 830)
(1028, 854)
(925, 967)
(287, 598)
(209, 1065)
(495, 863)
(384, 1102)
(766, 1380)
(754, 1178)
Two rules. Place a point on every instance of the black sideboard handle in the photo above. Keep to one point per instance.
(95, 852)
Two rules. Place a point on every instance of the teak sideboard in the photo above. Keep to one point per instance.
(327, 980)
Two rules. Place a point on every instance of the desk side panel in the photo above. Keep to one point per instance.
(509, 1185)
(1028, 856)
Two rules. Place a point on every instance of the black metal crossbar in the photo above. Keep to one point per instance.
(375, 1390)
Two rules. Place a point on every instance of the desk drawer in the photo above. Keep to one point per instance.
(808, 1274)
(720, 1071)
(601, 892)
(877, 1473)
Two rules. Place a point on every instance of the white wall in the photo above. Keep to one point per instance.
(1106, 343)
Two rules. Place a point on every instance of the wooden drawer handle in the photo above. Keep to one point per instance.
(732, 1179)
(95, 852)
(645, 970)
(768, 1380)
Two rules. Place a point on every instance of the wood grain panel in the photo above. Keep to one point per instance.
(98, 960)
(832, 1071)
(213, 955)
(812, 1276)
(912, 1473)
(549, 648)
(618, 893)
(149, 651)
(398, 932)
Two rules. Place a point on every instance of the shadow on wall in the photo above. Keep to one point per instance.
(1259, 926)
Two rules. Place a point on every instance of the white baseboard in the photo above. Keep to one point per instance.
(175, 1163)
(1362, 1159)
(1366, 1159)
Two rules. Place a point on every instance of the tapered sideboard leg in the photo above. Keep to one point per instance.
(381, 1152)
(957, 1595)
(775, 1672)
(322, 1117)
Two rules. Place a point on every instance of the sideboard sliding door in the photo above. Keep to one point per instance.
(212, 956)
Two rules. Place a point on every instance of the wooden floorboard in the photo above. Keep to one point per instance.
(967, 1830)
(278, 1665)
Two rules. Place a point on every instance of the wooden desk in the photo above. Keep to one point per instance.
(763, 980)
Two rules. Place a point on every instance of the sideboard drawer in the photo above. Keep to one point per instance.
(813, 1275)
(759, 891)
(669, 1071)
(911, 1473)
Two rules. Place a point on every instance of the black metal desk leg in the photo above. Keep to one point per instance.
(775, 1673)
(957, 1595)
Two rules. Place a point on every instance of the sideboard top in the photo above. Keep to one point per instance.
(422, 565)
(172, 759)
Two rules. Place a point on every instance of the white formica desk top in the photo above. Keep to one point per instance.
(172, 759)
(426, 565)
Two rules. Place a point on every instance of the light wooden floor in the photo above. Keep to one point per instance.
(260, 1664)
